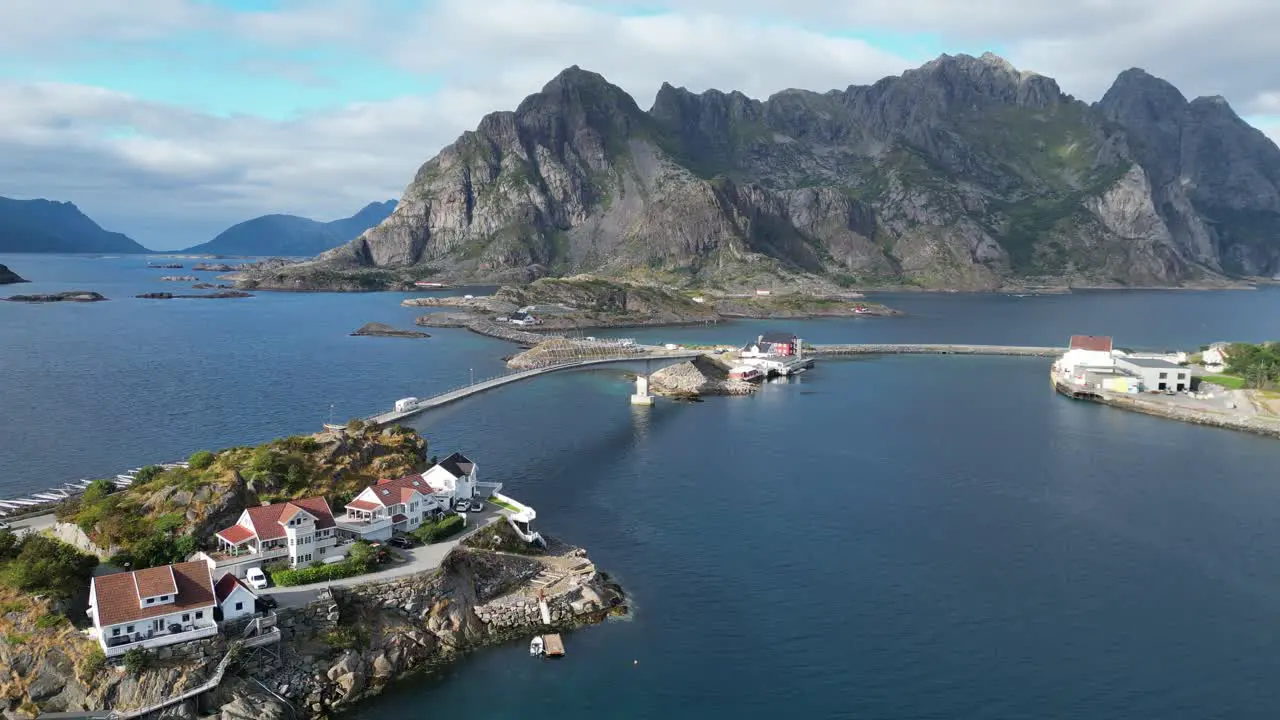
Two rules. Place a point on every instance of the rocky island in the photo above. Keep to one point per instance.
(8, 277)
(375, 329)
(703, 375)
(68, 296)
(220, 295)
(585, 302)
(213, 267)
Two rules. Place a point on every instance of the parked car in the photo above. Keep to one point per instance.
(256, 578)
(477, 505)
(401, 542)
(462, 505)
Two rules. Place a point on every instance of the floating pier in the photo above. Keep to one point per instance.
(553, 644)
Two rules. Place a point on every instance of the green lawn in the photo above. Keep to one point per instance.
(1227, 381)
(504, 505)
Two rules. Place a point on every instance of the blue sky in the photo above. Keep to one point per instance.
(172, 119)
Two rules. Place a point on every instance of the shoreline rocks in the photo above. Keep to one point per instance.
(68, 296)
(700, 376)
(9, 277)
(375, 329)
(180, 278)
(213, 267)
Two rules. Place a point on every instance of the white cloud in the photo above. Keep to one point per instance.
(173, 177)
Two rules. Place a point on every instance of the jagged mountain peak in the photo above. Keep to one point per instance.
(964, 172)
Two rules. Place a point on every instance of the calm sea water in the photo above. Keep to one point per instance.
(906, 537)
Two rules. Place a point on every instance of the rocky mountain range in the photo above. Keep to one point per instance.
(290, 235)
(47, 226)
(964, 173)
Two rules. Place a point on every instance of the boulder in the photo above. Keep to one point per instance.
(253, 707)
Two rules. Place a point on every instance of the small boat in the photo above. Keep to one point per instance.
(536, 647)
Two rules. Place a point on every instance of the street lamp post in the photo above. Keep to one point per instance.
(473, 375)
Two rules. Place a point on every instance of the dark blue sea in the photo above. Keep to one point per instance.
(903, 538)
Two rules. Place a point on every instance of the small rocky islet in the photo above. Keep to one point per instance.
(376, 329)
(9, 277)
(82, 296)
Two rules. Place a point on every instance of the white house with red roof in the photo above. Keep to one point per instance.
(153, 607)
(403, 504)
(299, 531)
(234, 598)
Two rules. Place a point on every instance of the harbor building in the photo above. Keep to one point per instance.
(1156, 374)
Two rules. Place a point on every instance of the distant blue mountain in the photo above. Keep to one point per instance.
(47, 226)
(291, 235)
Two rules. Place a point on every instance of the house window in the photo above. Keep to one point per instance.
(199, 614)
(1164, 375)
(150, 600)
(239, 606)
(1182, 376)
(115, 632)
(186, 617)
(129, 629)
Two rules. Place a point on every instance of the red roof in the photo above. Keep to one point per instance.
(363, 505)
(398, 518)
(267, 519)
(400, 490)
(154, 582)
(117, 601)
(236, 534)
(228, 585)
(1096, 343)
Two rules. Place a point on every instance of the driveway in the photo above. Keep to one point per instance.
(423, 558)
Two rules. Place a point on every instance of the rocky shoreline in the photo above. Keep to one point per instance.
(221, 295)
(347, 645)
(1174, 412)
(703, 375)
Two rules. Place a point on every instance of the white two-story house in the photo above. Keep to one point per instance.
(453, 478)
(152, 607)
(299, 531)
(381, 509)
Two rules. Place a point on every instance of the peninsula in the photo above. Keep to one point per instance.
(320, 636)
(68, 296)
(1226, 385)
(376, 329)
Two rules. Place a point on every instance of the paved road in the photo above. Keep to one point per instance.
(421, 559)
(34, 524)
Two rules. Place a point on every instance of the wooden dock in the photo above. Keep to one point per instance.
(554, 645)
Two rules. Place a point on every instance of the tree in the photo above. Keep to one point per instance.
(97, 490)
(45, 565)
(201, 460)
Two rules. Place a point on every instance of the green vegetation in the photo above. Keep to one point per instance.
(42, 565)
(500, 536)
(137, 661)
(1231, 382)
(508, 506)
(49, 620)
(360, 560)
(346, 637)
(158, 519)
(91, 664)
(1257, 365)
(201, 460)
(440, 530)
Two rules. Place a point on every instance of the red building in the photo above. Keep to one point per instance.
(780, 343)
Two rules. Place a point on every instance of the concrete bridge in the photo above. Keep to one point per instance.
(466, 391)
(649, 353)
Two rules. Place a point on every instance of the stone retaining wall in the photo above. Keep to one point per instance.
(1191, 415)
(510, 334)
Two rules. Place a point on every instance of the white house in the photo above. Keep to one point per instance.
(400, 504)
(153, 607)
(455, 478)
(234, 598)
(301, 531)
(1085, 351)
(1215, 358)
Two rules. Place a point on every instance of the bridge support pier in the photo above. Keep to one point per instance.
(642, 396)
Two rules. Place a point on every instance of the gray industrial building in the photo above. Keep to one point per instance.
(1156, 374)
